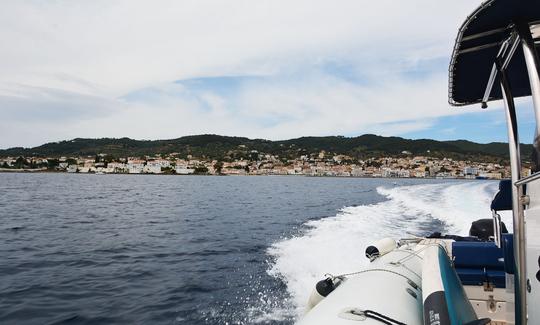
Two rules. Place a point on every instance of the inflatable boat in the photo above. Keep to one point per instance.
(490, 276)
(443, 280)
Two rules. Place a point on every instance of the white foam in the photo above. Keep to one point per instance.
(336, 244)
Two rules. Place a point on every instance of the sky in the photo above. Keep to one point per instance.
(260, 69)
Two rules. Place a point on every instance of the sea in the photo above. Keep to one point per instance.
(157, 249)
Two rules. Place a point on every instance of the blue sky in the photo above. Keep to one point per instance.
(484, 126)
(260, 69)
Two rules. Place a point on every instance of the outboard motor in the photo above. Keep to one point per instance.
(483, 229)
(322, 289)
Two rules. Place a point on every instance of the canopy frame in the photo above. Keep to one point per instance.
(486, 46)
(492, 24)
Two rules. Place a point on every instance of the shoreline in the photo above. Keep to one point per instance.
(34, 171)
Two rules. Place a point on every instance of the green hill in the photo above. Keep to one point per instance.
(224, 147)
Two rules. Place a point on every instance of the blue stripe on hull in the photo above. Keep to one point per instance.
(460, 310)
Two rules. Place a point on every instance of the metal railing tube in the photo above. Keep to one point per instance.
(517, 208)
(533, 66)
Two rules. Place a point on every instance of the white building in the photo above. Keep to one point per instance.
(470, 170)
(135, 168)
(404, 173)
(184, 170)
(160, 162)
(117, 167)
(357, 172)
(152, 168)
(88, 163)
(492, 175)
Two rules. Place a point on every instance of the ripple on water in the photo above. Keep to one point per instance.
(134, 249)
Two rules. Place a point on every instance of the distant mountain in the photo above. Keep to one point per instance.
(224, 147)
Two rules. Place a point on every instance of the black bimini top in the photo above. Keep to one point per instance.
(478, 43)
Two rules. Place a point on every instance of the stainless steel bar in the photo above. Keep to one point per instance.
(527, 179)
(513, 48)
(533, 66)
(493, 74)
(506, 52)
(478, 48)
(489, 86)
(497, 235)
(517, 208)
(489, 32)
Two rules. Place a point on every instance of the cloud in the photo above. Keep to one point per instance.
(272, 69)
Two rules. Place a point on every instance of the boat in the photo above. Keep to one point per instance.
(490, 276)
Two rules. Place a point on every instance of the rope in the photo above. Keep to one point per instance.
(373, 270)
(410, 255)
(377, 316)
(400, 262)
(417, 253)
(409, 269)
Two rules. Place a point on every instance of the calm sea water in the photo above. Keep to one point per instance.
(135, 249)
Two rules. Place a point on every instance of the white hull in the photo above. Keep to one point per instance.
(390, 286)
(415, 283)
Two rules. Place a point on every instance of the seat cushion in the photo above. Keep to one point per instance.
(471, 276)
(497, 278)
(508, 249)
(477, 255)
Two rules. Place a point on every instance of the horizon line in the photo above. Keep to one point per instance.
(248, 138)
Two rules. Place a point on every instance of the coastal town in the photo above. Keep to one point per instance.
(316, 164)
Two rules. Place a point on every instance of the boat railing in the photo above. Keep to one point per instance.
(521, 35)
(528, 179)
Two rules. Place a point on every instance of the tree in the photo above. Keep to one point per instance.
(373, 163)
(52, 163)
(71, 161)
(254, 156)
(20, 162)
(201, 170)
(108, 158)
(218, 166)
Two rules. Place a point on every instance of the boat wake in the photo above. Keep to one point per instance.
(336, 244)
